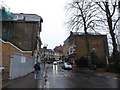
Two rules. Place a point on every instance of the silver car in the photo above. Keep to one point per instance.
(67, 65)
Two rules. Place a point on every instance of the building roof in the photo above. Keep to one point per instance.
(82, 34)
(58, 48)
(47, 50)
(6, 15)
(27, 17)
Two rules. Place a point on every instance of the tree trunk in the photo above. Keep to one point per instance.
(86, 34)
(87, 43)
(115, 56)
(110, 25)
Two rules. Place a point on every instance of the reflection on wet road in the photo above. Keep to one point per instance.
(60, 78)
(55, 70)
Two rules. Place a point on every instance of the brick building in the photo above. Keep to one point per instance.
(58, 52)
(50, 54)
(47, 53)
(59, 48)
(75, 45)
(22, 31)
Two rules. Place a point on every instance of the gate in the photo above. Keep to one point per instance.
(20, 65)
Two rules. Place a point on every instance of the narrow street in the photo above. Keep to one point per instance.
(60, 78)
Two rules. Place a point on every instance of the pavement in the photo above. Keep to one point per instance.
(99, 72)
(29, 81)
(103, 72)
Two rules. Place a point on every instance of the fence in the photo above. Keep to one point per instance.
(20, 65)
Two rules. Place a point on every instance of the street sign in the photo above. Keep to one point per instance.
(89, 57)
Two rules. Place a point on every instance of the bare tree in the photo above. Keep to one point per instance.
(81, 18)
(119, 26)
(110, 11)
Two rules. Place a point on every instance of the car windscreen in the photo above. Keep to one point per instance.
(68, 64)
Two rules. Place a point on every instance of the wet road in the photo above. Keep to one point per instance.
(60, 78)
(77, 78)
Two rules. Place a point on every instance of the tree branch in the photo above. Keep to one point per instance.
(114, 7)
(115, 23)
(100, 6)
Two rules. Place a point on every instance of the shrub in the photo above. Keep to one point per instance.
(77, 61)
(96, 61)
(117, 68)
(110, 67)
(82, 61)
(113, 66)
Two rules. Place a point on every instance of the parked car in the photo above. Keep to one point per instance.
(49, 61)
(55, 63)
(59, 61)
(67, 65)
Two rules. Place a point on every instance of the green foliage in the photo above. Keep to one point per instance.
(118, 67)
(82, 61)
(101, 64)
(111, 59)
(96, 61)
(119, 57)
(112, 66)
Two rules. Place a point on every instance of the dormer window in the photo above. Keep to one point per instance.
(20, 17)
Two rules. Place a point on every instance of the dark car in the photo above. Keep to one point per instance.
(49, 62)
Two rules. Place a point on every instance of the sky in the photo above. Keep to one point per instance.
(53, 14)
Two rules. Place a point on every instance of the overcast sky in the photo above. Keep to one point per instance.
(53, 14)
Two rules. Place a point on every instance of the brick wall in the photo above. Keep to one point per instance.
(7, 50)
(65, 48)
(95, 41)
(22, 34)
(98, 42)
